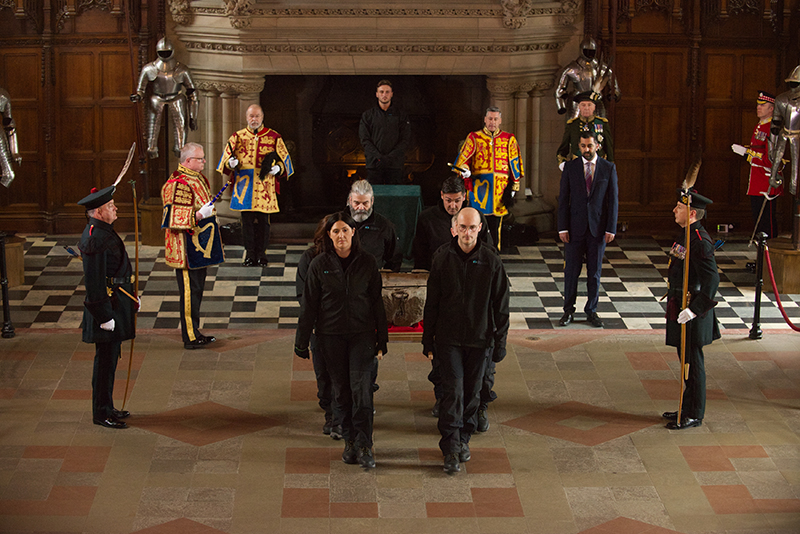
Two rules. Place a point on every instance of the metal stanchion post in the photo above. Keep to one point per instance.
(755, 331)
(8, 328)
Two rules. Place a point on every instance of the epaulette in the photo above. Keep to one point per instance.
(570, 121)
(601, 118)
(96, 242)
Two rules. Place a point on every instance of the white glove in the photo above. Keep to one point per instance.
(739, 149)
(109, 325)
(685, 316)
(513, 194)
(275, 170)
(561, 166)
(466, 174)
(139, 303)
(233, 163)
(205, 211)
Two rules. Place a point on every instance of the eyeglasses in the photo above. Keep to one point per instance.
(198, 159)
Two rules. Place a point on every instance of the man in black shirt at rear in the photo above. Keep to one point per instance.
(385, 134)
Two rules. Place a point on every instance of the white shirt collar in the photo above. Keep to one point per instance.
(593, 161)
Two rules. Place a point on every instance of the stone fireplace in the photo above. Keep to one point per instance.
(313, 68)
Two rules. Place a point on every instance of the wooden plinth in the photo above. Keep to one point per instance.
(151, 212)
(785, 266)
(15, 260)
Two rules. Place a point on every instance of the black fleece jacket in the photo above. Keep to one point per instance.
(336, 302)
(467, 301)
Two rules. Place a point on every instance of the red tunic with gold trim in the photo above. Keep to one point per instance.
(494, 159)
(251, 192)
(760, 164)
(183, 195)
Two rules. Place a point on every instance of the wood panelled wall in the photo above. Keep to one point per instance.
(690, 71)
(66, 65)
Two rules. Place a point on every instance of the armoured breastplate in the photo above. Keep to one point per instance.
(167, 77)
(582, 75)
(792, 125)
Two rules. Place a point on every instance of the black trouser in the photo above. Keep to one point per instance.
(255, 233)
(495, 226)
(385, 176)
(694, 393)
(350, 360)
(768, 224)
(190, 287)
(462, 370)
(324, 383)
(106, 356)
(487, 393)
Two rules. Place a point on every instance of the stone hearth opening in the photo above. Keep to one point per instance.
(318, 117)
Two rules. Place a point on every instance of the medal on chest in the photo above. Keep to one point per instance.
(678, 251)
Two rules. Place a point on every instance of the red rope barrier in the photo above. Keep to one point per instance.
(775, 290)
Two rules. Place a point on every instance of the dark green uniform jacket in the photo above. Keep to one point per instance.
(568, 149)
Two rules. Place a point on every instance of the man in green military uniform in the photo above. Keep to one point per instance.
(701, 322)
(110, 305)
(586, 121)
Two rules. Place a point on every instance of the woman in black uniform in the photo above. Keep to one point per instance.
(342, 303)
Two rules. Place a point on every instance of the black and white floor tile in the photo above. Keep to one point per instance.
(239, 297)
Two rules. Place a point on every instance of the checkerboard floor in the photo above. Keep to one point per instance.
(238, 297)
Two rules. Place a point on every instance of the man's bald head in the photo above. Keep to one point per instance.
(468, 226)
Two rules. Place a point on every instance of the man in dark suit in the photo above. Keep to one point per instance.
(587, 221)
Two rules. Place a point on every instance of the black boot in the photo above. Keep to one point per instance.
(349, 453)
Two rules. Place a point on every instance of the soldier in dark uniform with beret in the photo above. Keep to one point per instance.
(586, 121)
(110, 305)
(701, 322)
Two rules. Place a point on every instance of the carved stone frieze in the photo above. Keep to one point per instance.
(569, 12)
(229, 87)
(506, 86)
(239, 12)
(515, 13)
(371, 48)
(181, 11)
(355, 12)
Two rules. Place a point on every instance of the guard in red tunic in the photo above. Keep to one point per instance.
(757, 155)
